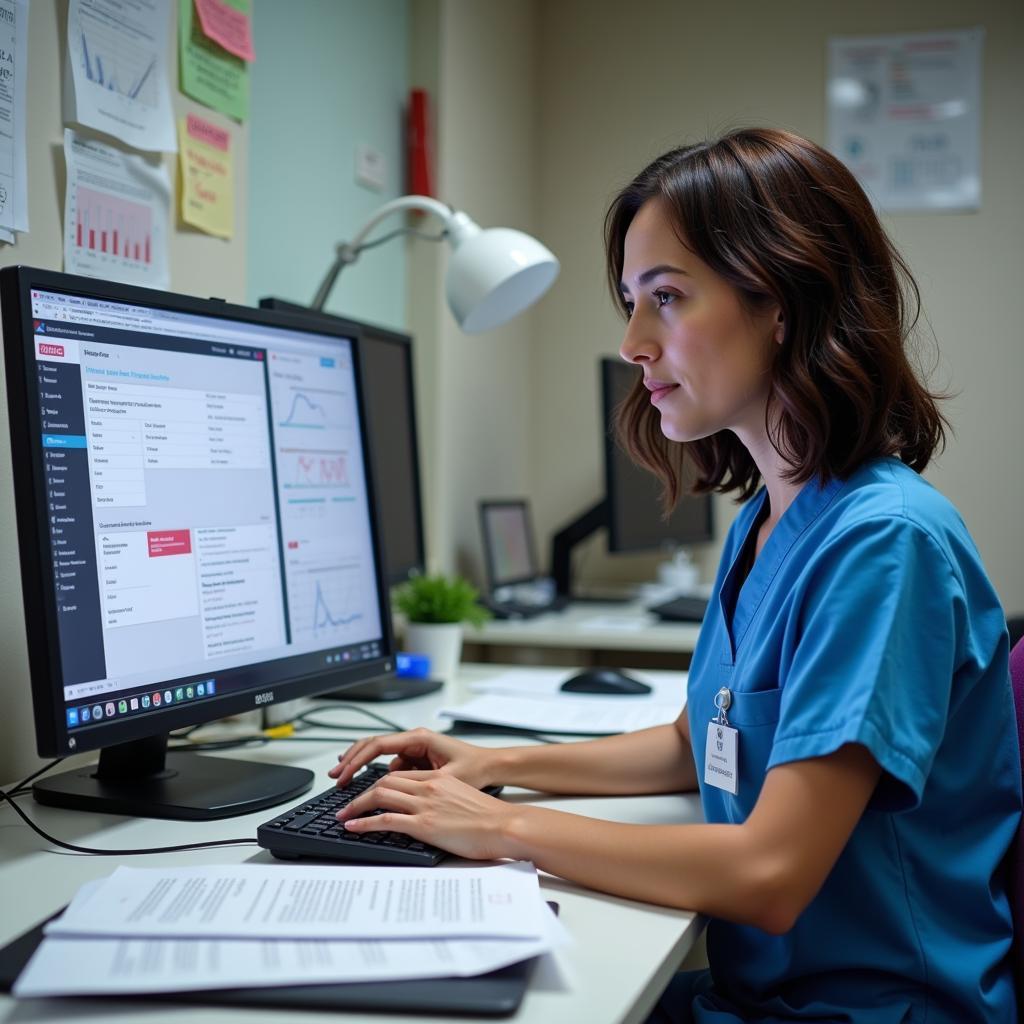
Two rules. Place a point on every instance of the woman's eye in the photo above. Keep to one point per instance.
(629, 309)
(663, 298)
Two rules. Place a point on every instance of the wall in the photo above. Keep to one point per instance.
(330, 74)
(620, 87)
(199, 264)
(479, 58)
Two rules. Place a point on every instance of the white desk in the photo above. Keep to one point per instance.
(587, 633)
(624, 952)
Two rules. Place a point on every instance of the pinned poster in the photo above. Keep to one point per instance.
(904, 114)
(115, 72)
(13, 78)
(227, 25)
(116, 214)
(211, 74)
(207, 178)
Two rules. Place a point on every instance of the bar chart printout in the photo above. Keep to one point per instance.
(116, 214)
(111, 224)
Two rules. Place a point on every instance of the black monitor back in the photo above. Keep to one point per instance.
(635, 521)
(388, 387)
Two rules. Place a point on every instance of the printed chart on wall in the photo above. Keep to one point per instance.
(116, 214)
(115, 74)
(904, 115)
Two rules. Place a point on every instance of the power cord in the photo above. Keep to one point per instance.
(22, 787)
(281, 733)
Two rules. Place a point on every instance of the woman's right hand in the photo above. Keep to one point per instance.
(418, 750)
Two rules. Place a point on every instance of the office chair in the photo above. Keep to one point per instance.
(1017, 850)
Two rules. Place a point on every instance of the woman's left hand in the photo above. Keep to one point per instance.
(433, 808)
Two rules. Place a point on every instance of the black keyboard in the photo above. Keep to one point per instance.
(681, 609)
(311, 830)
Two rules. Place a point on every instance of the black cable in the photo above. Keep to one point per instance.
(201, 746)
(22, 788)
(305, 717)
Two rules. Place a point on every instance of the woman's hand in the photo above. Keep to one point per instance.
(418, 750)
(433, 807)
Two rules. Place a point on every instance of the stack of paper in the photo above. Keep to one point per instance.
(166, 930)
(532, 699)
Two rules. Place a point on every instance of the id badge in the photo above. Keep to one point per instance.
(721, 752)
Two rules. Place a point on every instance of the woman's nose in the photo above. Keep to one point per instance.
(638, 345)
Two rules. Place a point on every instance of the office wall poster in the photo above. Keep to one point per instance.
(116, 214)
(904, 114)
(115, 71)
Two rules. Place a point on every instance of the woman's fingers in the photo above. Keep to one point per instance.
(393, 793)
(407, 745)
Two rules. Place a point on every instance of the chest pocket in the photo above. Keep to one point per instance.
(755, 714)
(755, 708)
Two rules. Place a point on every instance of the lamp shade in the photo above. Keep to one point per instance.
(494, 274)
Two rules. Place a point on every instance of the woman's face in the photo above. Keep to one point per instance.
(705, 358)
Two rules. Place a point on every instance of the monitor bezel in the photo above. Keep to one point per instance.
(616, 545)
(522, 505)
(372, 333)
(41, 631)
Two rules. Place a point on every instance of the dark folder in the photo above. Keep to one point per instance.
(496, 994)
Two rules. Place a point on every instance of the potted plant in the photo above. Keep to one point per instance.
(435, 608)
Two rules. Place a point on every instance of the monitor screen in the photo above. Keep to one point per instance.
(635, 521)
(195, 514)
(508, 542)
(391, 415)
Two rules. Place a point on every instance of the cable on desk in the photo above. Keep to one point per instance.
(22, 787)
(307, 719)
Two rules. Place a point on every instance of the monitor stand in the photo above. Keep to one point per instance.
(146, 780)
(387, 688)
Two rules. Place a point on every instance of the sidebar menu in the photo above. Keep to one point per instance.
(69, 521)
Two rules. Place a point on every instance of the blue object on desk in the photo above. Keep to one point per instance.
(413, 666)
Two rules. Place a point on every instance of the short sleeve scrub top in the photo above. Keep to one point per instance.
(868, 618)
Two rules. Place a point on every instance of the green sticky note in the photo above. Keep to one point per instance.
(209, 73)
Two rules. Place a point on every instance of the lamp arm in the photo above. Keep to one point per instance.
(348, 252)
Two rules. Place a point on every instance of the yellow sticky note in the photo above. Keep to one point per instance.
(207, 176)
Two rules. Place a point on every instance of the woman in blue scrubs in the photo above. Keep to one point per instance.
(849, 721)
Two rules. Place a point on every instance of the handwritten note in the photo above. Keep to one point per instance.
(207, 176)
(209, 73)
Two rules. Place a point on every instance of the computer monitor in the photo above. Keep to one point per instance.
(635, 519)
(631, 507)
(508, 543)
(196, 526)
(391, 413)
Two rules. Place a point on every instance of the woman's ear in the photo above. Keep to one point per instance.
(780, 328)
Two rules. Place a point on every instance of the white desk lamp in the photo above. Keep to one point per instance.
(493, 274)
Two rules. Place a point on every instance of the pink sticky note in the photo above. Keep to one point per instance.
(203, 131)
(229, 28)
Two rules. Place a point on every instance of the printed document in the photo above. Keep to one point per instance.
(13, 78)
(86, 966)
(547, 682)
(116, 214)
(578, 714)
(115, 75)
(253, 901)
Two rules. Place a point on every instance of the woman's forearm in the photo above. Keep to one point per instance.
(656, 760)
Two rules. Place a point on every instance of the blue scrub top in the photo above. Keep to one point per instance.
(868, 618)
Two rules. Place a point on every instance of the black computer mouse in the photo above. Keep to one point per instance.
(608, 681)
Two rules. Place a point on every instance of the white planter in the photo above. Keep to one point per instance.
(439, 641)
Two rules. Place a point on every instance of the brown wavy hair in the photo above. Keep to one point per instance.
(786, 223)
